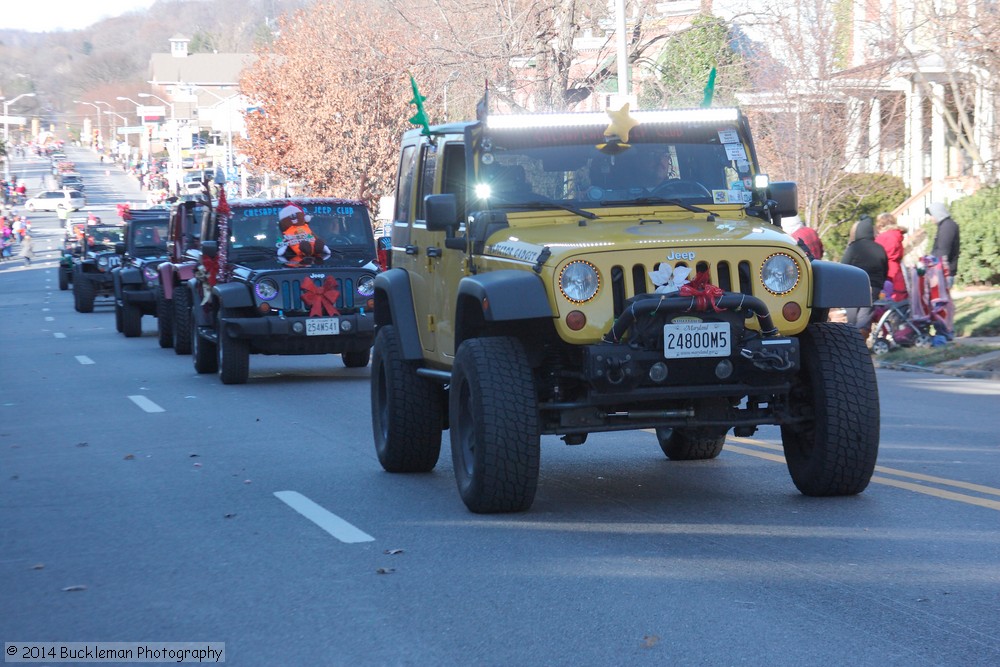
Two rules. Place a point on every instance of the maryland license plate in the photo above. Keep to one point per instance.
(687, 340)
(323, 326)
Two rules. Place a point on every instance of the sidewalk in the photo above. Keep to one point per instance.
(983, 366)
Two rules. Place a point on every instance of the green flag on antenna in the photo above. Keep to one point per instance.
(419, 118)
(709, 89)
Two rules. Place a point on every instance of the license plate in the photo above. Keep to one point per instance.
(323, 326)
(687, 340)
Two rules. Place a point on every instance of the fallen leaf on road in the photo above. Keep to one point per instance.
(82, 444)
(393, 552)
(129, 457)
(230, 515)
(385, 570)
(649, 641)
(74, 589)
(38, 566)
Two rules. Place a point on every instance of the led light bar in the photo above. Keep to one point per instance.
(601, 119)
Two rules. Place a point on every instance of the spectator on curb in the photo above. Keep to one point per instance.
(890, 237)
(947, 242)
(865, 254)
(806, 236)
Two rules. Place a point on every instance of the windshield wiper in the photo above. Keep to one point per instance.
(643, 201)
(542, 204)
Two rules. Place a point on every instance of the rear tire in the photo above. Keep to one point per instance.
(690, 444)
(181, 320)
(164, 318)
(495, 438)
(407, 410)
(131, 320)
(834, 452)
(63, 278)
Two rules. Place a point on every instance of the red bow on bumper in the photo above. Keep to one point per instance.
(703, 292)
(321, 299)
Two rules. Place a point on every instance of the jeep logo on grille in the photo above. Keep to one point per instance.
(317, 276)
(674, 256)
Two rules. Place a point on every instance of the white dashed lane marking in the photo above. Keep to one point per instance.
(59, 335)
(83, 359)
(323, 518)
(146, 404)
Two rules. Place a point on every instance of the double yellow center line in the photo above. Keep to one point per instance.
(760, 449)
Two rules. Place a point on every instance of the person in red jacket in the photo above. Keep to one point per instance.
(890, 236)
(805, 236)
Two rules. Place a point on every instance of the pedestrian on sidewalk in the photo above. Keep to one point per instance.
(869, 256)
(947, 241)
(27, 250)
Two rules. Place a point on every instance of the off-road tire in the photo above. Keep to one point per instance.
(164, 318)
(833, 453)
(407, 410)
(690, 444)
(84, 292)
(203, 352)
(495, 433)
(181, 320)
(356, 359)
(131, 320)
(63, 278)
(234, 358)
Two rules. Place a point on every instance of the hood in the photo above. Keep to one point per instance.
(938, 211)
(864, 229)
(792, 224)
(669, 231)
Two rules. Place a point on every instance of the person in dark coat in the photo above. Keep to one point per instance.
(865, 254)
(946, 242)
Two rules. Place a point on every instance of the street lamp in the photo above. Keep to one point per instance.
(96, 108)
(175, 148)
(229, 118)
(113, 128)
(6, 106)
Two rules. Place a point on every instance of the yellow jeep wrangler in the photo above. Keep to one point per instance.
(575, 273)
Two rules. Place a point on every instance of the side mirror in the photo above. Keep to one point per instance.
(442, 213)
(785, 196)
(210, 248)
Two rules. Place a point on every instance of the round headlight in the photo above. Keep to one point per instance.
(779, 273)
(579, 281)
(102, 260)
(150, 274)
(366, 286)
(266, 289)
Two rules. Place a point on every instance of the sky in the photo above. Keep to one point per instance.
(53, 15)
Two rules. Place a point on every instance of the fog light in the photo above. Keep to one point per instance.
(791, 311)
(345, 325)
(723, 369)
(658, 372)
(576, 320)
(298, 327)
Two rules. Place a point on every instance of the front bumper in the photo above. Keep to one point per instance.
(275, 334)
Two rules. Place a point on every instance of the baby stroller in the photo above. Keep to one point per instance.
(924, 319)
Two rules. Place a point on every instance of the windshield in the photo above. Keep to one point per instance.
(104, 236)
(689, 164)
(341, 227)
(149, 236)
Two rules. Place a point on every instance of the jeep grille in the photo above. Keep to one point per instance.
(730, 278)
(291, 295)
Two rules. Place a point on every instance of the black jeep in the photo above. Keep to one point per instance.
(253, 294)
(136, 281)
(92, 268)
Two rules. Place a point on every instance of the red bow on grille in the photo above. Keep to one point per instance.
(321, 299)
(704, 292)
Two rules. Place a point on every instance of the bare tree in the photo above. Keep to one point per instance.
(332, 97)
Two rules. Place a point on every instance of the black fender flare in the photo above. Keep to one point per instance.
(128, 275)
(840, 286)
(500, 296)
(394, 305)
(232, 295)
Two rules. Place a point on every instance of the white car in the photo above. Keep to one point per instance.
(53, 200)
